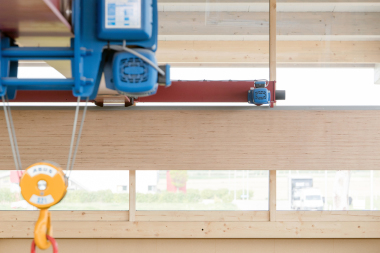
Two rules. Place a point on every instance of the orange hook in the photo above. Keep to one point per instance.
(43, 229)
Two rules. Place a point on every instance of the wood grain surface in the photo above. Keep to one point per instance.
(199, 139)
(208, 52)
(206, 230)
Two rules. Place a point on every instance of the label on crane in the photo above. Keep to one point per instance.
(41, 200)
(123, 14)
(42, 169)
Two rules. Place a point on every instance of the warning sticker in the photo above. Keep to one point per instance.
(123, 14)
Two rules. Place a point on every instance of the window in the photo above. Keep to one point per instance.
(338, 80)
(96, 190)
(10, 197)
(122, 188)
(202, 190)
(328, 190)
(87, 190)
(152, 188)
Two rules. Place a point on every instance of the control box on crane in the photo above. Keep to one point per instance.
(130, 20)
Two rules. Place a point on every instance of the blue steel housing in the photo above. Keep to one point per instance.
(87, 55)
(259, 96)
(131, 76)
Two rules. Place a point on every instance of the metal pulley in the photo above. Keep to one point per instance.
(43, 185)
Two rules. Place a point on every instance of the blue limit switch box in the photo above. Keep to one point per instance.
(130, 20)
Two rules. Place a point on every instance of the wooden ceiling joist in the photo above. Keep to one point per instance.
(290, 26)
(248, 52)
(199, 138)
(205, 230)
(266, 38)
(304, 6)
(318, 32)
(266, 1)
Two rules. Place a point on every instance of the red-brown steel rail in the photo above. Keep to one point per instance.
(179, 91)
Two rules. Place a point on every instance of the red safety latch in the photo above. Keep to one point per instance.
(51, 240)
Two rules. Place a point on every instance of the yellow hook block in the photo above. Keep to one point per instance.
(43, 228)
(43, 185)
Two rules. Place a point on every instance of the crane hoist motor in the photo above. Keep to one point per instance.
(131, 71)
(264, 92)
(114, 37)
(259, 94)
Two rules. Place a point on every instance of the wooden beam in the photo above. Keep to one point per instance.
(262, 6)
(249, 52)
(272, 195)
(195, 216)
(272, 39)
(202, 245)
(199, 138)
(142, 229)
(297, 38)
(247, 26)
(132, 195)
(171, 216)
(266, 1)
(44, 41)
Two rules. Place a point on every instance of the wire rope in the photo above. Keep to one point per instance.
(13, 140)
(77, 140)
(12, 135)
